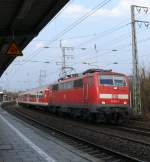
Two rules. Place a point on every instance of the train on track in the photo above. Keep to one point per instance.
(96, 94)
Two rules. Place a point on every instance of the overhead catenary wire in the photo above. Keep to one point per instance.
(106, 32)
(107, 52)
(118, 28)
(68, 38)
(14, 72)
(121, 26)
(123, 46)
(35, 53)
(81, 19)
(103, 53)
(60, 12)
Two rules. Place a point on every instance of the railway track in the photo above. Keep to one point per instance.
(96, 150)
(140, 128)
(135, 130)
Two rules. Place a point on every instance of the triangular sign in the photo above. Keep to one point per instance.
(14, 50)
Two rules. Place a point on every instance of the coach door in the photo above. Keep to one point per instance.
(85, 91)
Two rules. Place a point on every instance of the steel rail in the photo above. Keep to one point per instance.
(117, 154)
(134, 129)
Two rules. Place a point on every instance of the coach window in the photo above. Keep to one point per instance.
(40, 94)
(33, 96)
(78, 83)
(37, 94)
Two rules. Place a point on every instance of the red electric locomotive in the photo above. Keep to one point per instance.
(96, 94)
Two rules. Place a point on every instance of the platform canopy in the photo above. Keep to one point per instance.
(20, 22)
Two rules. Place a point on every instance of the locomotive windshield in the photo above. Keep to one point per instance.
(112, 80)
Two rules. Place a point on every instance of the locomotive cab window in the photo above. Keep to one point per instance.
(106, 80)
(112, 80)
(119, 81)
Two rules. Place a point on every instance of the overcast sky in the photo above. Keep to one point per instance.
(105, 35)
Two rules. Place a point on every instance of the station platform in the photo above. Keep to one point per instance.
(21, 142)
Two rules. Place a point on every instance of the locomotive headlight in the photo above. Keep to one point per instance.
(103, 102)
(125, 102)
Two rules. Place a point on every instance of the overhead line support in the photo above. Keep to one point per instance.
(136, 76)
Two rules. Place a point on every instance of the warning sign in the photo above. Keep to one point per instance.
(14, 50)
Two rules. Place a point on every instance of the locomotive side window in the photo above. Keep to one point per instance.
(61, 86)
(55, 87)
(68, 85)
(78, 83)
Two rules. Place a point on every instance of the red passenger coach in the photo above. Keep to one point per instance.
(96, 94)
(36, 97)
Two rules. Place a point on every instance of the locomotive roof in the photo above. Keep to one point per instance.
(89, 74)
(101, 71)
(112, 73)
(69, 79)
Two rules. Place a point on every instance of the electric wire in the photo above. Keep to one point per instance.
(108, 52)
(60, 12)
(106, 32)
(122, 46)
(81, 19)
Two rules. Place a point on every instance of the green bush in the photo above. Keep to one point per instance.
(145, 92)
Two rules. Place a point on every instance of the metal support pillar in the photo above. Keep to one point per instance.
(136, 77)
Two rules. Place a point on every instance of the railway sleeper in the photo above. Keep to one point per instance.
(94, 152)
(88, 149)
(107, 158)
